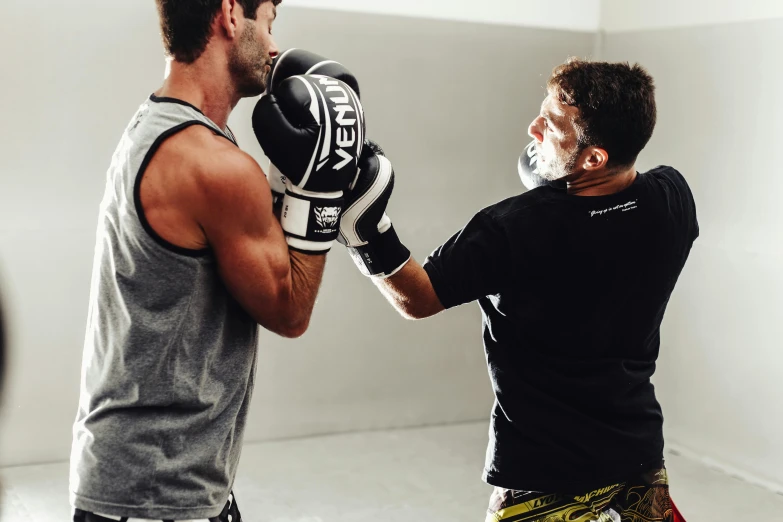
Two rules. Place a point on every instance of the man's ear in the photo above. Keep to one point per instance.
(596, 158)
(228, 19)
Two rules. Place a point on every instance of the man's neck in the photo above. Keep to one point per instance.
(205, 84)
(602, 183)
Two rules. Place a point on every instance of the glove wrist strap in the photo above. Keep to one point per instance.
(311, 222)
(383, 255)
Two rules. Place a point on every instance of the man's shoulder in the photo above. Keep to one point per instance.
(208, 156)
(670, 181)
(528, 202)
(209, 167)
(197, 144)
(671, 186)
(667, 173)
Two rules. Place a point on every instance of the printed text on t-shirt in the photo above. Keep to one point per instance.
(625, 207)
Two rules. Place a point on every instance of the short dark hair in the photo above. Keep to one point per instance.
(185, 24)
(616, 103)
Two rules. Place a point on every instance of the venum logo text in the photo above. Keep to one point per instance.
(345, 133)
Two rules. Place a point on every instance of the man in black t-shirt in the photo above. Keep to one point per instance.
(573, 278)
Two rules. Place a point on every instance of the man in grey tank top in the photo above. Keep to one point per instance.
(190, 258)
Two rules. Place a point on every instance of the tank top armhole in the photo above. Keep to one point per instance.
(189, 252)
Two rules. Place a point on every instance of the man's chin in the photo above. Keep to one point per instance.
(251, 91)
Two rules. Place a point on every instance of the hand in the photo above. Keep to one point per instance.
(312, 130)
(365, 228)
(294, 62)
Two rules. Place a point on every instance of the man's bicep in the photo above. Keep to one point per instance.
(255, 268)
(246, 238)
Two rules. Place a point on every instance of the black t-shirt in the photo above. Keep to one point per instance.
(573, 290)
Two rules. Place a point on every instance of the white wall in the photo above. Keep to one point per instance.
(79, 71)
(636, 15)
(79, 74)
(721, 367)
(576, 15)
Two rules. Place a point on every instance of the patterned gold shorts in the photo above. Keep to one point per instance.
(645, 499)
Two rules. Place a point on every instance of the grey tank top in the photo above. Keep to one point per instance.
(169, 356)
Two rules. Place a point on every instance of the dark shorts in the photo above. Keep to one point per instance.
(230, 513)
(644, 499)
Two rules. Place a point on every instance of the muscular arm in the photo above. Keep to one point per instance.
(410, 292)
(277, 287)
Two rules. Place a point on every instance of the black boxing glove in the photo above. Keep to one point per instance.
(294, 62)
(528, 170)
(312, 129)
(365, 228)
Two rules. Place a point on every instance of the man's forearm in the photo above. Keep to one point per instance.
(410, 292)
(306, 275)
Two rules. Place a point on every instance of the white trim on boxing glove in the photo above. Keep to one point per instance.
(308, 247)
(384, 224)
(383, 227)
(352, 214)
(277, 182)
(311, 220)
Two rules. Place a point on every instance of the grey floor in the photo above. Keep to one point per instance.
(429, 474)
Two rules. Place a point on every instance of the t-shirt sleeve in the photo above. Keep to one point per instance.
(471, 264)
(688, 202)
